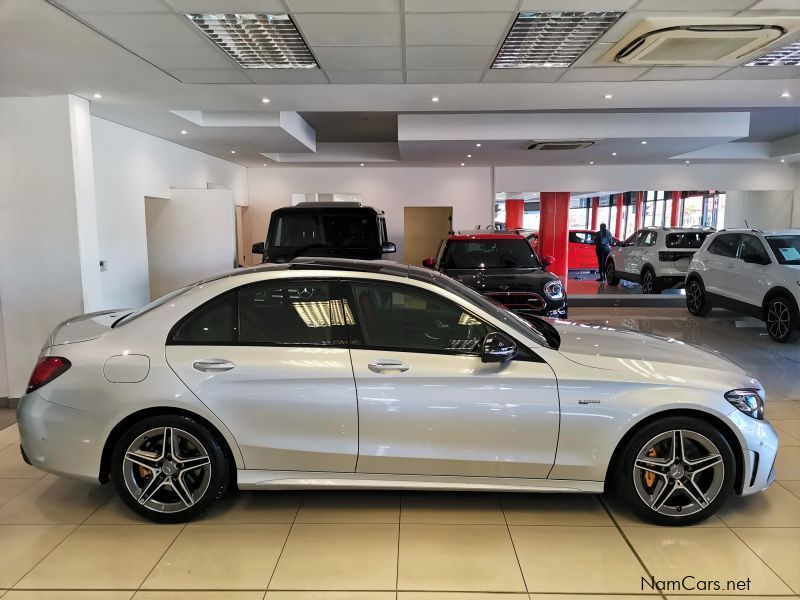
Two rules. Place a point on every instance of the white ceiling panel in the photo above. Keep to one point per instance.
(576, 5)
(694, 5)
(345, 6)
(775, 5)
(678, 73)
(141, 31)
(761, 73)
(444, 76)
(603, 74)
(365, 76)
(186, 58)
(468, 29)
(541, 75)
(460, 5)
(234, 75)
(343, 58)
(225, 6)
(287, 76)
(350, 30)
(113, 6)
(592, 53)
(449, 57)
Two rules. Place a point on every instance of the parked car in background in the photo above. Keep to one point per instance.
(753, 272)
(656, 257)
(333, 229)
(581, 255)
(503, 266)
(370, 374)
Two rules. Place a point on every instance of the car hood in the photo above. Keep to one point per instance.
(619, 349)
(502, 280)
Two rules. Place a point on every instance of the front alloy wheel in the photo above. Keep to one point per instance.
(782, 324)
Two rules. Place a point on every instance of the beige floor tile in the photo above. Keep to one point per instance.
(792, 486)
(338, 557)
(330, 596)
(792, 427)
(103, 557)
(590, 597)
(774, 507)
(779, 548)
(55, 499)
(749, 597)
(782, 411)
(458, 557)
(10, 488)
(66, 595)
(459, 596)
(576, 559)
(197, 595)
(115, 512)
(22, 546)
(255, 507)
(627, 518)
(464, 508)
(236, 556)
(555, 509)
(710, 553)
(12, 466)
(349, 507)
(787, 465)
(9, 435)
(784, 439)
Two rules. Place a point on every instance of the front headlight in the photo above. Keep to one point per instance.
(554, 290)
(748, 401)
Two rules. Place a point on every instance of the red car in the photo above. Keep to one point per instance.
(581, 247)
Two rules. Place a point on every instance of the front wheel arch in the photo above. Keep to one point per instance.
(778, 291)
(723, 427)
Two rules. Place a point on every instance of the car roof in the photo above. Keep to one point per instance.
(347, 207)
(764, 233)
(487, 235)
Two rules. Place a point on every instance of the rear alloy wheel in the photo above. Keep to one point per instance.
(783, 324)
(611, 273)
(649, 282)
(676, 471)
(696, 302)
(169, 469)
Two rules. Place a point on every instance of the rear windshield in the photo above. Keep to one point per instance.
(152, 306)
(686, 239)
(301, 230)
(489, 254)
(786, 248)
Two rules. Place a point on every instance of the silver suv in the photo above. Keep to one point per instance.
(656, 257)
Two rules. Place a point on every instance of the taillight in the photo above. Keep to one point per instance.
(47, 369)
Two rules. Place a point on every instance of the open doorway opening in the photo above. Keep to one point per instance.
(424, 229)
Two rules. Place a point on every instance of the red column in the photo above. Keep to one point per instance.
(676, 205)
(595, 208)
(554, 230)
(620, 208)
(639, 209)
(515, 209)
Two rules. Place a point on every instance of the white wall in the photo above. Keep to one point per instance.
(130, 165)
(759, 209)
(468, 190)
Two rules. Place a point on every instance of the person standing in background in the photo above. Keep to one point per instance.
(602, 247)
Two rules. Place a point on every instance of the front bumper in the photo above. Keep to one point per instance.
(59, 439)
(759, 453)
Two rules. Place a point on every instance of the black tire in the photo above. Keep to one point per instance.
(201, 486)
(696, 300)
(631, 482)
(650, 282)
(611, 273)
(782, 319)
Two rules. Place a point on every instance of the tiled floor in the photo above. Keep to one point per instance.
(67, 540)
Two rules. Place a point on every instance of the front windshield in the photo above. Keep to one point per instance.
(298, 230)
(514, 253)
(786, 248)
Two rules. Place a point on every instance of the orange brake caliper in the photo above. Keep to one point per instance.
(650, 478)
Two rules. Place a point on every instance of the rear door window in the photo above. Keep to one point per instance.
(726, 244)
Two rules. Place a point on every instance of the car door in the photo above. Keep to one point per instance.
(427, 403)
(270, 359)
(751, 275)
(633, 256)
(721, 262)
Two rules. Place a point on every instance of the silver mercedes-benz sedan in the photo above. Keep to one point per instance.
(351, 374)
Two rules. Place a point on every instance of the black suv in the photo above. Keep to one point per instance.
(325, 229)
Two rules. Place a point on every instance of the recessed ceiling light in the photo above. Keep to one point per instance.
(257, 40)
(265, 100)
(687, 162)
(613, 154)
(785, 95)
(435, 99)
(264, 165)
(361, 165)
(469, 155)
(608, 96)
(462, 164)
(788, 55)
(644, 141)
(478, 145)
(98, 96)
(783, 160)
(233, 151)
(184, 132)
(551, 39)
(591, 162)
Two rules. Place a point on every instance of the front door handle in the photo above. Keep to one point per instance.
(383, 364)
(213, 365)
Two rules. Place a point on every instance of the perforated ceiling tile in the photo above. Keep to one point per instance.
(788, 55)
(552, 39)
(257, 41)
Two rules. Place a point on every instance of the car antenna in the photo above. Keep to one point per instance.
(746, 225)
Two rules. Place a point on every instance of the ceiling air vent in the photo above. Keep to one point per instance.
(560, 145)
(709, 42)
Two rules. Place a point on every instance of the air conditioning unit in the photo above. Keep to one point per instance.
(559, 145)
(700, 42)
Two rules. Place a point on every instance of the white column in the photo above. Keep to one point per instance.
(49, 266)
(796, 198)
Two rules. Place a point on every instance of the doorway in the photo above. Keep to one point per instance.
(424, 229)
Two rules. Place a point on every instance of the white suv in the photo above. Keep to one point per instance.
(655, 257)
(752, 272)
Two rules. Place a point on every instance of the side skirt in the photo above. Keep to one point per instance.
(735, 305)
(248, 479)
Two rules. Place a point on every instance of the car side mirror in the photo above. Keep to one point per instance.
(755, 259)
(429, 263)
(388, 248)
(497, 347)
(548, 260)
(258, 248)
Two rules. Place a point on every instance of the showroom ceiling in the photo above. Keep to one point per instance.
(358, 64)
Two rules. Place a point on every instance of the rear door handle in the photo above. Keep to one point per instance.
(383, 364)
(213, 365)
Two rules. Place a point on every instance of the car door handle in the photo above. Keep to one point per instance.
(382, 365)
(213, 365)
